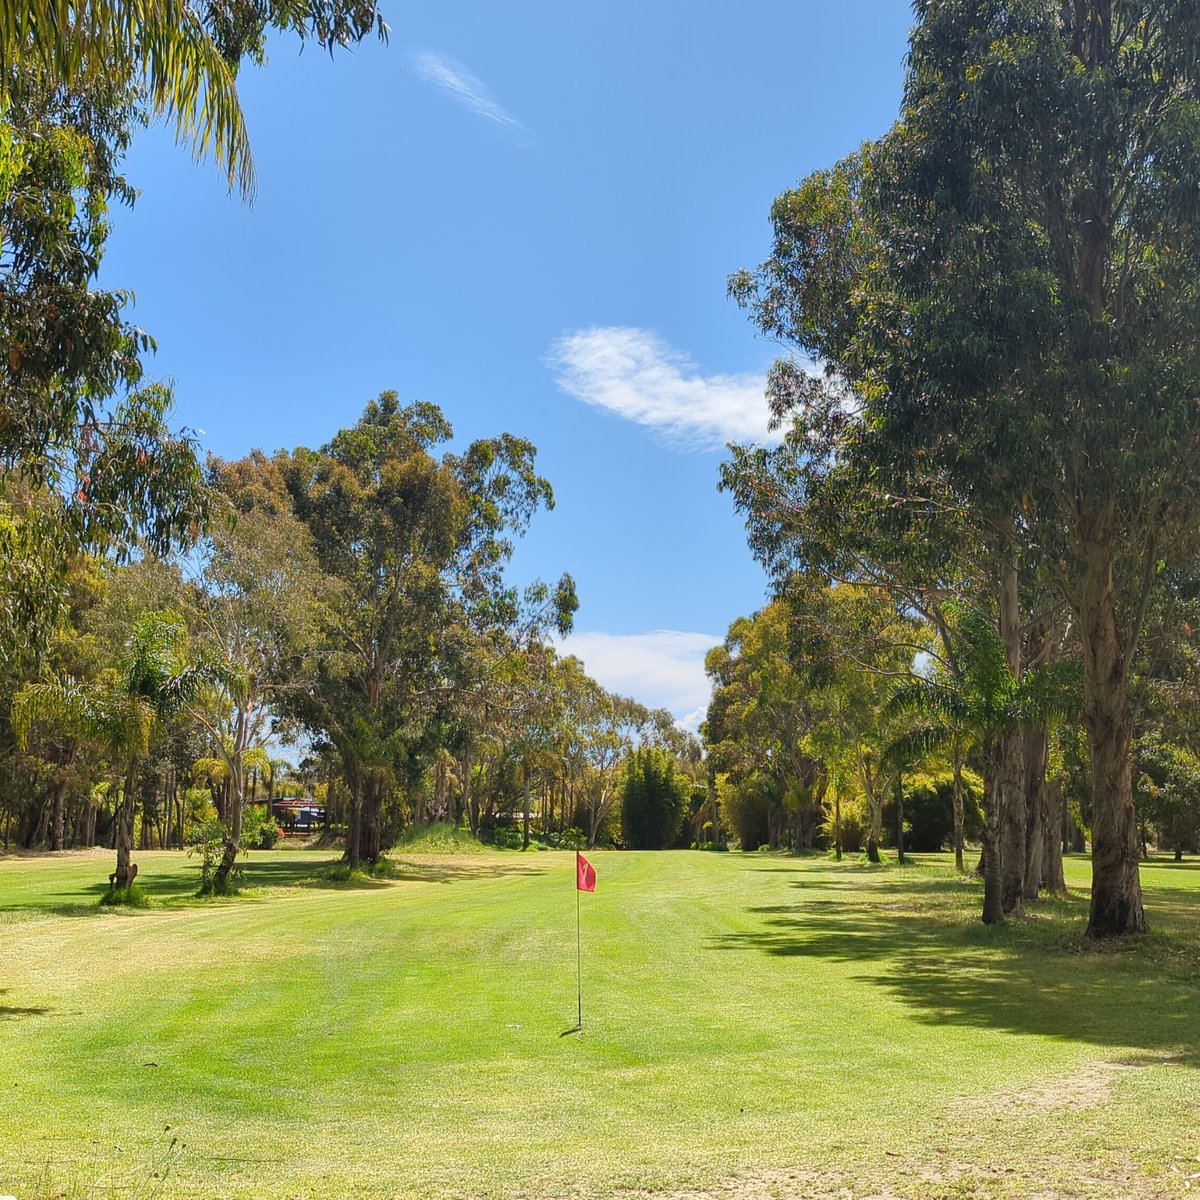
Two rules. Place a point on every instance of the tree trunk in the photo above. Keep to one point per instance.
(370, 823)
(354, 824)
(899, 819)
(232, 843)
(837, 824)
(1036, 742)
(124, 831)
(1116, 907)
(958, 809)
(993, 907)
(1010, 794)
(993, 881)
(525, 807)
(1052, 864)
(58, 820)
(1011, 822)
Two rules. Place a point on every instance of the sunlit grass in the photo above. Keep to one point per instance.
(745, 1016)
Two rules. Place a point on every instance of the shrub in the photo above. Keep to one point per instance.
(746, 808)
(260, 830)
(208, 841)
(134, 896)
(438, 837)
(929, 811)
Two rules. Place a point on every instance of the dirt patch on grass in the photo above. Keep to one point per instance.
(1088, 1087)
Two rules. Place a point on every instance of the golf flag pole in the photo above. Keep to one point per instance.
(585, 881)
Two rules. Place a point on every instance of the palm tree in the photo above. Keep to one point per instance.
(161, 43)
(980, 704)
(169, 47)
(118, 712)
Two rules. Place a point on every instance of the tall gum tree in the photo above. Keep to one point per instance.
(1014, 299)
(418, 544)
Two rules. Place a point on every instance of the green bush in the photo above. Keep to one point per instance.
(746, 809)
(929, 811)
(344, 873)
(260, 830)
(134, 896)
(208, 841)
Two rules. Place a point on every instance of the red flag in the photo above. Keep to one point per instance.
(585, 874)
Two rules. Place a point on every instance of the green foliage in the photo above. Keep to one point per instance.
(208, 841)
(1168, 791)
(746, 810)
(929, 811)
(260, 830)
(343, 872)
(653, 800)
(133, 896)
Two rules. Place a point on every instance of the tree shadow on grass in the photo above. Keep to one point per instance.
(14, 1012)
(258, 872)
(265, 873)
(922, 943)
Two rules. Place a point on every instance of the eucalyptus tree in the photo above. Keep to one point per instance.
(759, 720)
(418, 544)
(1005, 280)
(260, 614)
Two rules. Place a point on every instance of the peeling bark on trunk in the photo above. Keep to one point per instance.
(1116, 907)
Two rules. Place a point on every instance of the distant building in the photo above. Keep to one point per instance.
(299, 815)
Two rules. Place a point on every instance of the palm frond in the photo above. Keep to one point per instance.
(162, 44)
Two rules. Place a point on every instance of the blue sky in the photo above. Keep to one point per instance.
(525, 214)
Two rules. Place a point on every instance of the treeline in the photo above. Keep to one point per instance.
(350, 600)
(836, 724)
(1001, 443)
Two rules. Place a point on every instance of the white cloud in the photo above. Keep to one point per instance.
(661, 669)
(452, 77)
(638, 376)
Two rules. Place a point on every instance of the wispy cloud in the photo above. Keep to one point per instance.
(661, 669)
(452, 77)
(636, 375)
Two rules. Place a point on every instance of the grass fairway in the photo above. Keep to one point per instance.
(755, 1026)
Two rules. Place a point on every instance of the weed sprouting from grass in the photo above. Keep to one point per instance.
(120, 1181)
